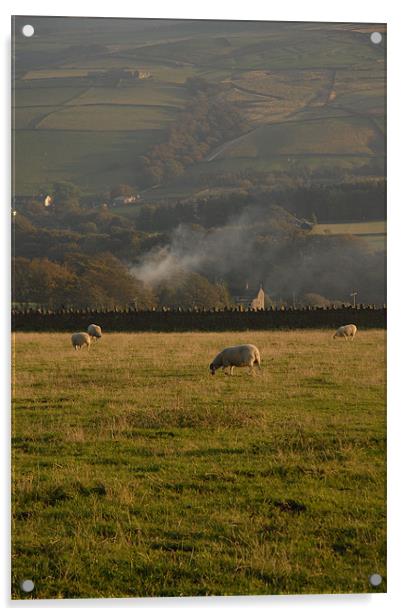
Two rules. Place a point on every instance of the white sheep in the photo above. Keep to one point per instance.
(94, 331)
(346, 331)
(81, 339)
(239, 356)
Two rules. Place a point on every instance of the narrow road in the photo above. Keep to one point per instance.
(225, 145)
(255, 93)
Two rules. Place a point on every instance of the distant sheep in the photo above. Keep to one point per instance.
(94, 331)
(81, 339)
(245, 355)
(346, 331)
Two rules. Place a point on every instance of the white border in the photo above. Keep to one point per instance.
(294, 10)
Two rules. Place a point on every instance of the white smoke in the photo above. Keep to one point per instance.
(197, 249)
(265, 245)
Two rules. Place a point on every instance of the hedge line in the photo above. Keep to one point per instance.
(197, 320)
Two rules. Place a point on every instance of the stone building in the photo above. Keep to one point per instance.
(251, 301)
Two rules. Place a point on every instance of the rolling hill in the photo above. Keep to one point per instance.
(312, 96)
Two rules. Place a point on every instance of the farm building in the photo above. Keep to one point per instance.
(141, 74)
(251, 301)
(121, 200)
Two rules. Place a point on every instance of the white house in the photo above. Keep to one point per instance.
(121, 200)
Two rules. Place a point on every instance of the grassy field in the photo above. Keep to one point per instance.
(374, 232)
(28, 97)
(54, 73)
(324, 137)
(143, 94)
(281, 46)
(30, 117)
(110, 117)
(136, 473)
(94, 160)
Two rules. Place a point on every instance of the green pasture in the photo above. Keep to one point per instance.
(51, 95)
(94, 160)
(294, 47)
(136, 473)
(340, 136)
(319, 49)
(30, 117)
(110, 117)
(50, 73)
(148, 93)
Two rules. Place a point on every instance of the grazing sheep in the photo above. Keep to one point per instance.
(94, 331)
(240, 356)
(346, 331)
(81, 339)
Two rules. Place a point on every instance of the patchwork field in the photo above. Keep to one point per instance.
(327, 80)
(136, 473)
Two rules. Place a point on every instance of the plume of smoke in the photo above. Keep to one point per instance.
(197, 249)
(265, 244)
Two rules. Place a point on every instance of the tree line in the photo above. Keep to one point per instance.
(75, 254)
(207, 121)
(341, 202)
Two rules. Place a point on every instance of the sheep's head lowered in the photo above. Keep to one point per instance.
(212, 368)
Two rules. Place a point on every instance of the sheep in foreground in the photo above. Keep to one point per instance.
(94, 331)
(81, 339)
(346, 331)
(245, 355)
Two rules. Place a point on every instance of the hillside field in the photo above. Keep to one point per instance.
(374, 233)
(311, 94)
(136, 473)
